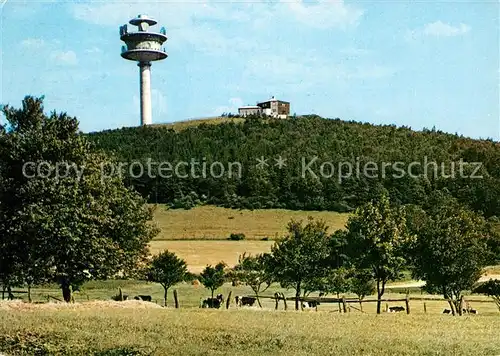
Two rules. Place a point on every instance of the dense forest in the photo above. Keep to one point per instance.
(311, 147)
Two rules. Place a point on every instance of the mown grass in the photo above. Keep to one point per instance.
(199, 235)
(112, 331)
(216, 223)
(199, 254)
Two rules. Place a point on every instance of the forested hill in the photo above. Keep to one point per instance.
(302, 184)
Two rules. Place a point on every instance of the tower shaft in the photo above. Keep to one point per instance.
(144, 47)
(145, 82)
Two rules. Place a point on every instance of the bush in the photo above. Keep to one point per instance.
(494, 219)
(236, 237)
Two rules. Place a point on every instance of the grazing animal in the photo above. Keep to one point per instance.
(146, 298)
(310, 304)
(213, 302)
(396, 309)
(470, 311)
(118, 298)
(241, 301)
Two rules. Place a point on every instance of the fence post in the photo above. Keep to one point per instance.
(176, 300)
(284, 300)
(360, 305)
(407, 304)
(228, 301)
(343, 304)
(425, 307)
(276, 299)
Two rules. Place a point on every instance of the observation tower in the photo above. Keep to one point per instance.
(144, 47)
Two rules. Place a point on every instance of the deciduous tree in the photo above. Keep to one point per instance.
(490, 288)
(377, 239)
(213, 277)
(63, 220)
(300, 257)
(168, 270)
(451, 250)
(251, 271)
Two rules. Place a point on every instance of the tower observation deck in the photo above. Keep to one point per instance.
(144, 47)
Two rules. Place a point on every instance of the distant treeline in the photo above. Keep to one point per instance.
(316, 152)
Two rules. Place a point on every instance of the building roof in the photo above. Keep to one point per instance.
(249, 107)
(274, 99)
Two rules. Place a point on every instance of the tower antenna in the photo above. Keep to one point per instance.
(144, 47)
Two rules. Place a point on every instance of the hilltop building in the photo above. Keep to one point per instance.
(273, 107)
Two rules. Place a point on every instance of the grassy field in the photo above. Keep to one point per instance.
(94, 325)
(209, 222)
(190, 295)
(199, 254)
(199, 235)
(112, 328)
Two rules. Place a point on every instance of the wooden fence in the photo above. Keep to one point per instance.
(346, 303)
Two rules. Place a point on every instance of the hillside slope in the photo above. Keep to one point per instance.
(182, 125)
(318, 144)
(216, 223)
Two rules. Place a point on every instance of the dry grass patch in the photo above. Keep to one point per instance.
(210, 222)
(240, 332)
(93, 305)
(199, 254)
(492, 271)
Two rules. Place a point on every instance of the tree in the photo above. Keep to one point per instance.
(490, 288)
(362, 284)
(213, 277)
(335, 276)
(168, 270)
(304, 138)
(377, 238)
(300, 257)
(61, 215)
(336, 281)
(251, 271)
(451, 251)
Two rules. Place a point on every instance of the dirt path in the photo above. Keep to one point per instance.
(418, 284)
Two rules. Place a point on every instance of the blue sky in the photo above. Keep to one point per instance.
(414, 63)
